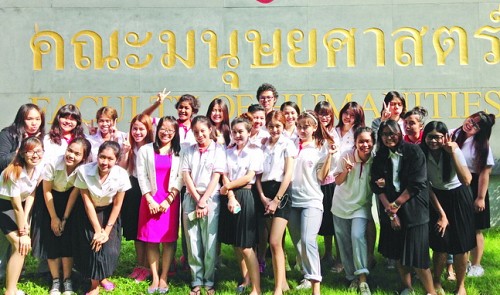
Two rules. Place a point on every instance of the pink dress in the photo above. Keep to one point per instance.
(161, 227)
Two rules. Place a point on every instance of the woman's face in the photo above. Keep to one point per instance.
(434, 140)
(139, 131)
(68, 124)
(290, 115)
(32, 121)
(217, 116)
(396, 107)
(166, 132)
(364, 143)
(348, 117)
(240, 134)
(105, 124)
(33, 156)
(324, 118)
(305, 129)
(471, 125)
(202, 134)
(106, 160)
(184, 111)
(267, 100)
(412, 125)
(389, 138)
(74, 154)
(259, 119)
(275, 129)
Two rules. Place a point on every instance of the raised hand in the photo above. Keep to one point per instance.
(92, 129)
(162, 95)
(449, 145)
(348, 163)
(386, 112)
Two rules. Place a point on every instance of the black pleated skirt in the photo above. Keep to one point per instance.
(481, 219)
(50, 246)
(239, 230)
(95, 265)
(130, 210)
(460, 235)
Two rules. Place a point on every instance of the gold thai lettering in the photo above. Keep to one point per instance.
(336, 44)
(449, 43)
(84, 62)
(379, 45)
(261, 50)
(44, 47)
(169, 59)
(210, 37)
(404, 58)
(491, 57)
(231, 78)
(295, 36)
(133, 60)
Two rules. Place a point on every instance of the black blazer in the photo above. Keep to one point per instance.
(412, 176)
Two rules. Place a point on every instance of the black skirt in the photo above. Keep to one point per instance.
(8, 222)
(48, 245)
(239, 230)
(95, 265)
(481, 219)
(327, 228)
(39, 213)
(130, 210)
(270, 189)
(460, 235)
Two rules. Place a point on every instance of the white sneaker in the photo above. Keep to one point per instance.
(407, 291)
(364, 289)
(354, 285)
(304, 285)
(476, 271)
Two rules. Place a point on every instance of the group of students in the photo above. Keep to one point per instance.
(243, 183)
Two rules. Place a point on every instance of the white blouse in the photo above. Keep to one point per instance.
(201, 166)
(274, 158)
(102, 194)
(249, 158)
(55, 171)
(23, 187)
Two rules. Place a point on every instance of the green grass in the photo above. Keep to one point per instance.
(381, 280)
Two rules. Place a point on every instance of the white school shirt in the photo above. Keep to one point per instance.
(435, 171)
(396, 165)
(202, 166)
(23, 186)
(102, 194)
(257, 138)
(55, 171)
(330, 178)
(96, 140)
(469, 152)
(346, 142)
(293, 136)
(250, 158)
(306, 188)
(53, 150)
(274, 158)
(353, 198)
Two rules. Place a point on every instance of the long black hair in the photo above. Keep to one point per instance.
(68, 110)
(17, 128)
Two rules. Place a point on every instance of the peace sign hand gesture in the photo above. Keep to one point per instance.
(348, 164)
(92, 129)
(162, 95)
(449, 145)
(386, 112)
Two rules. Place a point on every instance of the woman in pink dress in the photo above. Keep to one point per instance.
(158, 174)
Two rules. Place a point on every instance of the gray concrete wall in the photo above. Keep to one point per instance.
(442, 54)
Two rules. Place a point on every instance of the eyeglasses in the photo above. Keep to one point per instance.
(32, 153)
(167, 131)
(324, 115)
(473, 123)
(266, 97)
(389, 134)
(436, 137)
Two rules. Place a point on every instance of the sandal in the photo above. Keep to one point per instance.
(196, 290)
(210, 291)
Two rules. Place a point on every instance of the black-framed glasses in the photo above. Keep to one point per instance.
(33, 152)
(389, 134)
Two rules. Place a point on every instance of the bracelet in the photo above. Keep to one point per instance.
(201, 207)
(394, 205)
(279, 197)
(110, 224)
(392, 217)
(168, 200)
